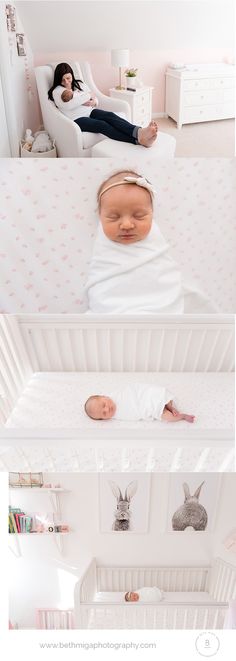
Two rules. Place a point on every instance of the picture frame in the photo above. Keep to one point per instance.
(129, 515)
(201, 495)
(20, 42)
(10, 18)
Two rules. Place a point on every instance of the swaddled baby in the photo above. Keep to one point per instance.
(140, 401)
(145, 595)
(131, 270)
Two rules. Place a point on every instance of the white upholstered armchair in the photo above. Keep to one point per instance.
(70, 140)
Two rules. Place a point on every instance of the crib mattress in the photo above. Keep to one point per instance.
(168, 598)
(56, 400)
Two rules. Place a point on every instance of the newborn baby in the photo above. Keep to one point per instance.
(131, 269)
(137, 402)
(68, 94)
(145, 595)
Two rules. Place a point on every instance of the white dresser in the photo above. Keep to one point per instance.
(200, 93)
(140, 103)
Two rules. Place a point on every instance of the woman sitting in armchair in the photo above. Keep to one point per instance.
(74, 99)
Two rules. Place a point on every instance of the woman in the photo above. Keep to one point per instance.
(74, 99)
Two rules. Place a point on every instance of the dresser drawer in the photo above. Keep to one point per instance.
(142, 118)
(207, 97)
(197, 84)
(226, 82)
(141, 101)
(223, 83)
(208, 113)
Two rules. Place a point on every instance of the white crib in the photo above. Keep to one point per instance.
(54, 618)
(49, 364)
(194, 597)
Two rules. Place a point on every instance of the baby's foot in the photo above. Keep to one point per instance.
(174, 411)
(188, 418)
(147, 135)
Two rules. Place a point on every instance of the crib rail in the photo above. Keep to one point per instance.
(15, 368)
(54, 618)
(145, 616)
(169, 579)
(222, 586)
(43, 454)
(143, 343)
(86, 587)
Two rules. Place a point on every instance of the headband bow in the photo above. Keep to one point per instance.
(141, 181)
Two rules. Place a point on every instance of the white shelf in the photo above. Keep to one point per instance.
(39, 489)
(38, 534)
(54, 496)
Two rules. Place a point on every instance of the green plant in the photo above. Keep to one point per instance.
(131, 72)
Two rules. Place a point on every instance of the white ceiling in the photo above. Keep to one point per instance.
(105, 24)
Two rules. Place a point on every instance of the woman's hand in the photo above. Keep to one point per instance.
(93, 102)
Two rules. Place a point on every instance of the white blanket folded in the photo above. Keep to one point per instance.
(140, 402)
(138, 278)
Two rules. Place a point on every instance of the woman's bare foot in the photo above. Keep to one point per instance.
(148, 134)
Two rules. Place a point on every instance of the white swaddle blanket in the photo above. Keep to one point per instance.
(140, 402)
(136, 278)
(150, 594)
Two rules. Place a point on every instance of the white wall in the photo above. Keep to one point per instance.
(42, 578)
(144, 25)
(21, 103)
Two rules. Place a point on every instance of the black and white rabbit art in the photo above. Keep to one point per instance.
(191, 513)
(122, 513)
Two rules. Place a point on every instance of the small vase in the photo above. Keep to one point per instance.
(131, 82)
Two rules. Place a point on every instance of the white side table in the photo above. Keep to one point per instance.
(140, 103)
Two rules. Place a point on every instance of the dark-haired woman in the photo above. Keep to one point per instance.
(74, 99)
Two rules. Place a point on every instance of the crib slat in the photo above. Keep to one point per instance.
(224, 354)
(211, 352)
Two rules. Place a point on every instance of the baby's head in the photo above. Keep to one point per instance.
(131, 596)
(125, 207)
(100, 407)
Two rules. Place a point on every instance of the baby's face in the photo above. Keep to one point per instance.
(133, 596)
(126, 213)
(102, 408)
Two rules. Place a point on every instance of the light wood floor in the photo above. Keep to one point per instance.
(206, 139)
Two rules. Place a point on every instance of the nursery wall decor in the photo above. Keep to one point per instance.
(193, 502)
(20, 42)
(124, 502)
(11, 18)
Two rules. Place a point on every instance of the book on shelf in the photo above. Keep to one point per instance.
(32, 522)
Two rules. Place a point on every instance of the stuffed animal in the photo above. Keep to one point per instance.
(42, 142)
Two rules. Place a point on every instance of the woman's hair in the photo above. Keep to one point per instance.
(127, 596)
(59, 72)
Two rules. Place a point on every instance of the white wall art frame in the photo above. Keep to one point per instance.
(124, 500)
(192, 502)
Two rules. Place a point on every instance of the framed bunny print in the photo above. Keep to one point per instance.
(124, 502)
(192, 502)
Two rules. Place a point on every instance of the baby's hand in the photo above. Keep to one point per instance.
(67, 95)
